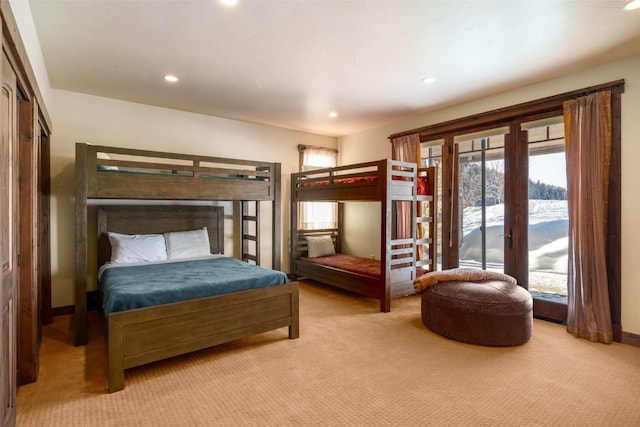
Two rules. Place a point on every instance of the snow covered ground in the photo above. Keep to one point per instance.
(548, 242)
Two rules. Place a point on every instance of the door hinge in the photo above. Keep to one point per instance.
(18, 260)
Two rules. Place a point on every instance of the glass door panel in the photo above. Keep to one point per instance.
(548, 215)
(481, 168)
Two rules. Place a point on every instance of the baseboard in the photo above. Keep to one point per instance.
(631, 339)
(92, 305)
(62, 311)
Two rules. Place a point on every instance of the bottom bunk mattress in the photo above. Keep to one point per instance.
(128, 287)
(354, 264)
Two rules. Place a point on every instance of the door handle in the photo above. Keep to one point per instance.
(510, 237)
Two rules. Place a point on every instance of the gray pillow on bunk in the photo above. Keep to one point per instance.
(320, 246)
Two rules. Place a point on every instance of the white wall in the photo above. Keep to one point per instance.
(374, 144)
(103, 121)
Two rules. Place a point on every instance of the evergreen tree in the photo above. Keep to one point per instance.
(471, 186)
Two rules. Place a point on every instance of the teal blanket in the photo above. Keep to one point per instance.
(126, 288)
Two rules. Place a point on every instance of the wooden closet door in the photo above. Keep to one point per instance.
(28, 211)
(9, 229)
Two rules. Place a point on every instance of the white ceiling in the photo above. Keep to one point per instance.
(288, 63)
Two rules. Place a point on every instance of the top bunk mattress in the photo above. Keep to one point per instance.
(120, 173)
(144, 285)
(359, 181)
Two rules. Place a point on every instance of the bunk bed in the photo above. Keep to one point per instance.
(393, 185)
(114, 177)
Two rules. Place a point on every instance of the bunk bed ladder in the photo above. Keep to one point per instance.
(250, 231)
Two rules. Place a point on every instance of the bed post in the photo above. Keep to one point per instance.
(115, 355)
(79, 320)
(294, 327)
(340, 228)
(276, 218)
(293, 228)
(386, 205)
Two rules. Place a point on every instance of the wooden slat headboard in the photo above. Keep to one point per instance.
(130, 219)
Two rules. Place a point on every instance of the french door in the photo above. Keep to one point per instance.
(512, 207)
(481, 202)
(533, 239)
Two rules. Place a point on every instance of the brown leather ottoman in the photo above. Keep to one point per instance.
(489, 312)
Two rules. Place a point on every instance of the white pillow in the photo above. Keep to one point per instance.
(105, 156)
(320, 246)
(187, 244)
(137, 247)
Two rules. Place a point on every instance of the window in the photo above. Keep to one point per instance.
(548, 211)
(317, 215)
(518, 224)
(431, 156)
(481, 198)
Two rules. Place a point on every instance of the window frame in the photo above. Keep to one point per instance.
(516, 150)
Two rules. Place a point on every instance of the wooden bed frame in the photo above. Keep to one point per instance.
(104, 174)
(140, 336)
(120, 176)
(385, 181)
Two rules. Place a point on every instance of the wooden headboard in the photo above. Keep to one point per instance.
(130, 219)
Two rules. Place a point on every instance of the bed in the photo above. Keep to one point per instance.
(142, 335)
(393, 185)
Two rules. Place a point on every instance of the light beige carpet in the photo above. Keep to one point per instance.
(351, 366)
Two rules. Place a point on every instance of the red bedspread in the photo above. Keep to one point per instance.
(372, 178)
(354, 180)
(354, 264)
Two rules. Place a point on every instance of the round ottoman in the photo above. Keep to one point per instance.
(489, 312)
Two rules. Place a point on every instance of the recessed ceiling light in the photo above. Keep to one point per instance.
(333, 114)
(428, 80)
(229, 2)
(633, 4)
(171, 78)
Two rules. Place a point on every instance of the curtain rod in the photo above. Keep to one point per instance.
(302, 147)
(514, 111)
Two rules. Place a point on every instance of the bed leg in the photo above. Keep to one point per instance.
(115, 356)
(385, 305)
(294, 327)
(116, 380)
(294, 331)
